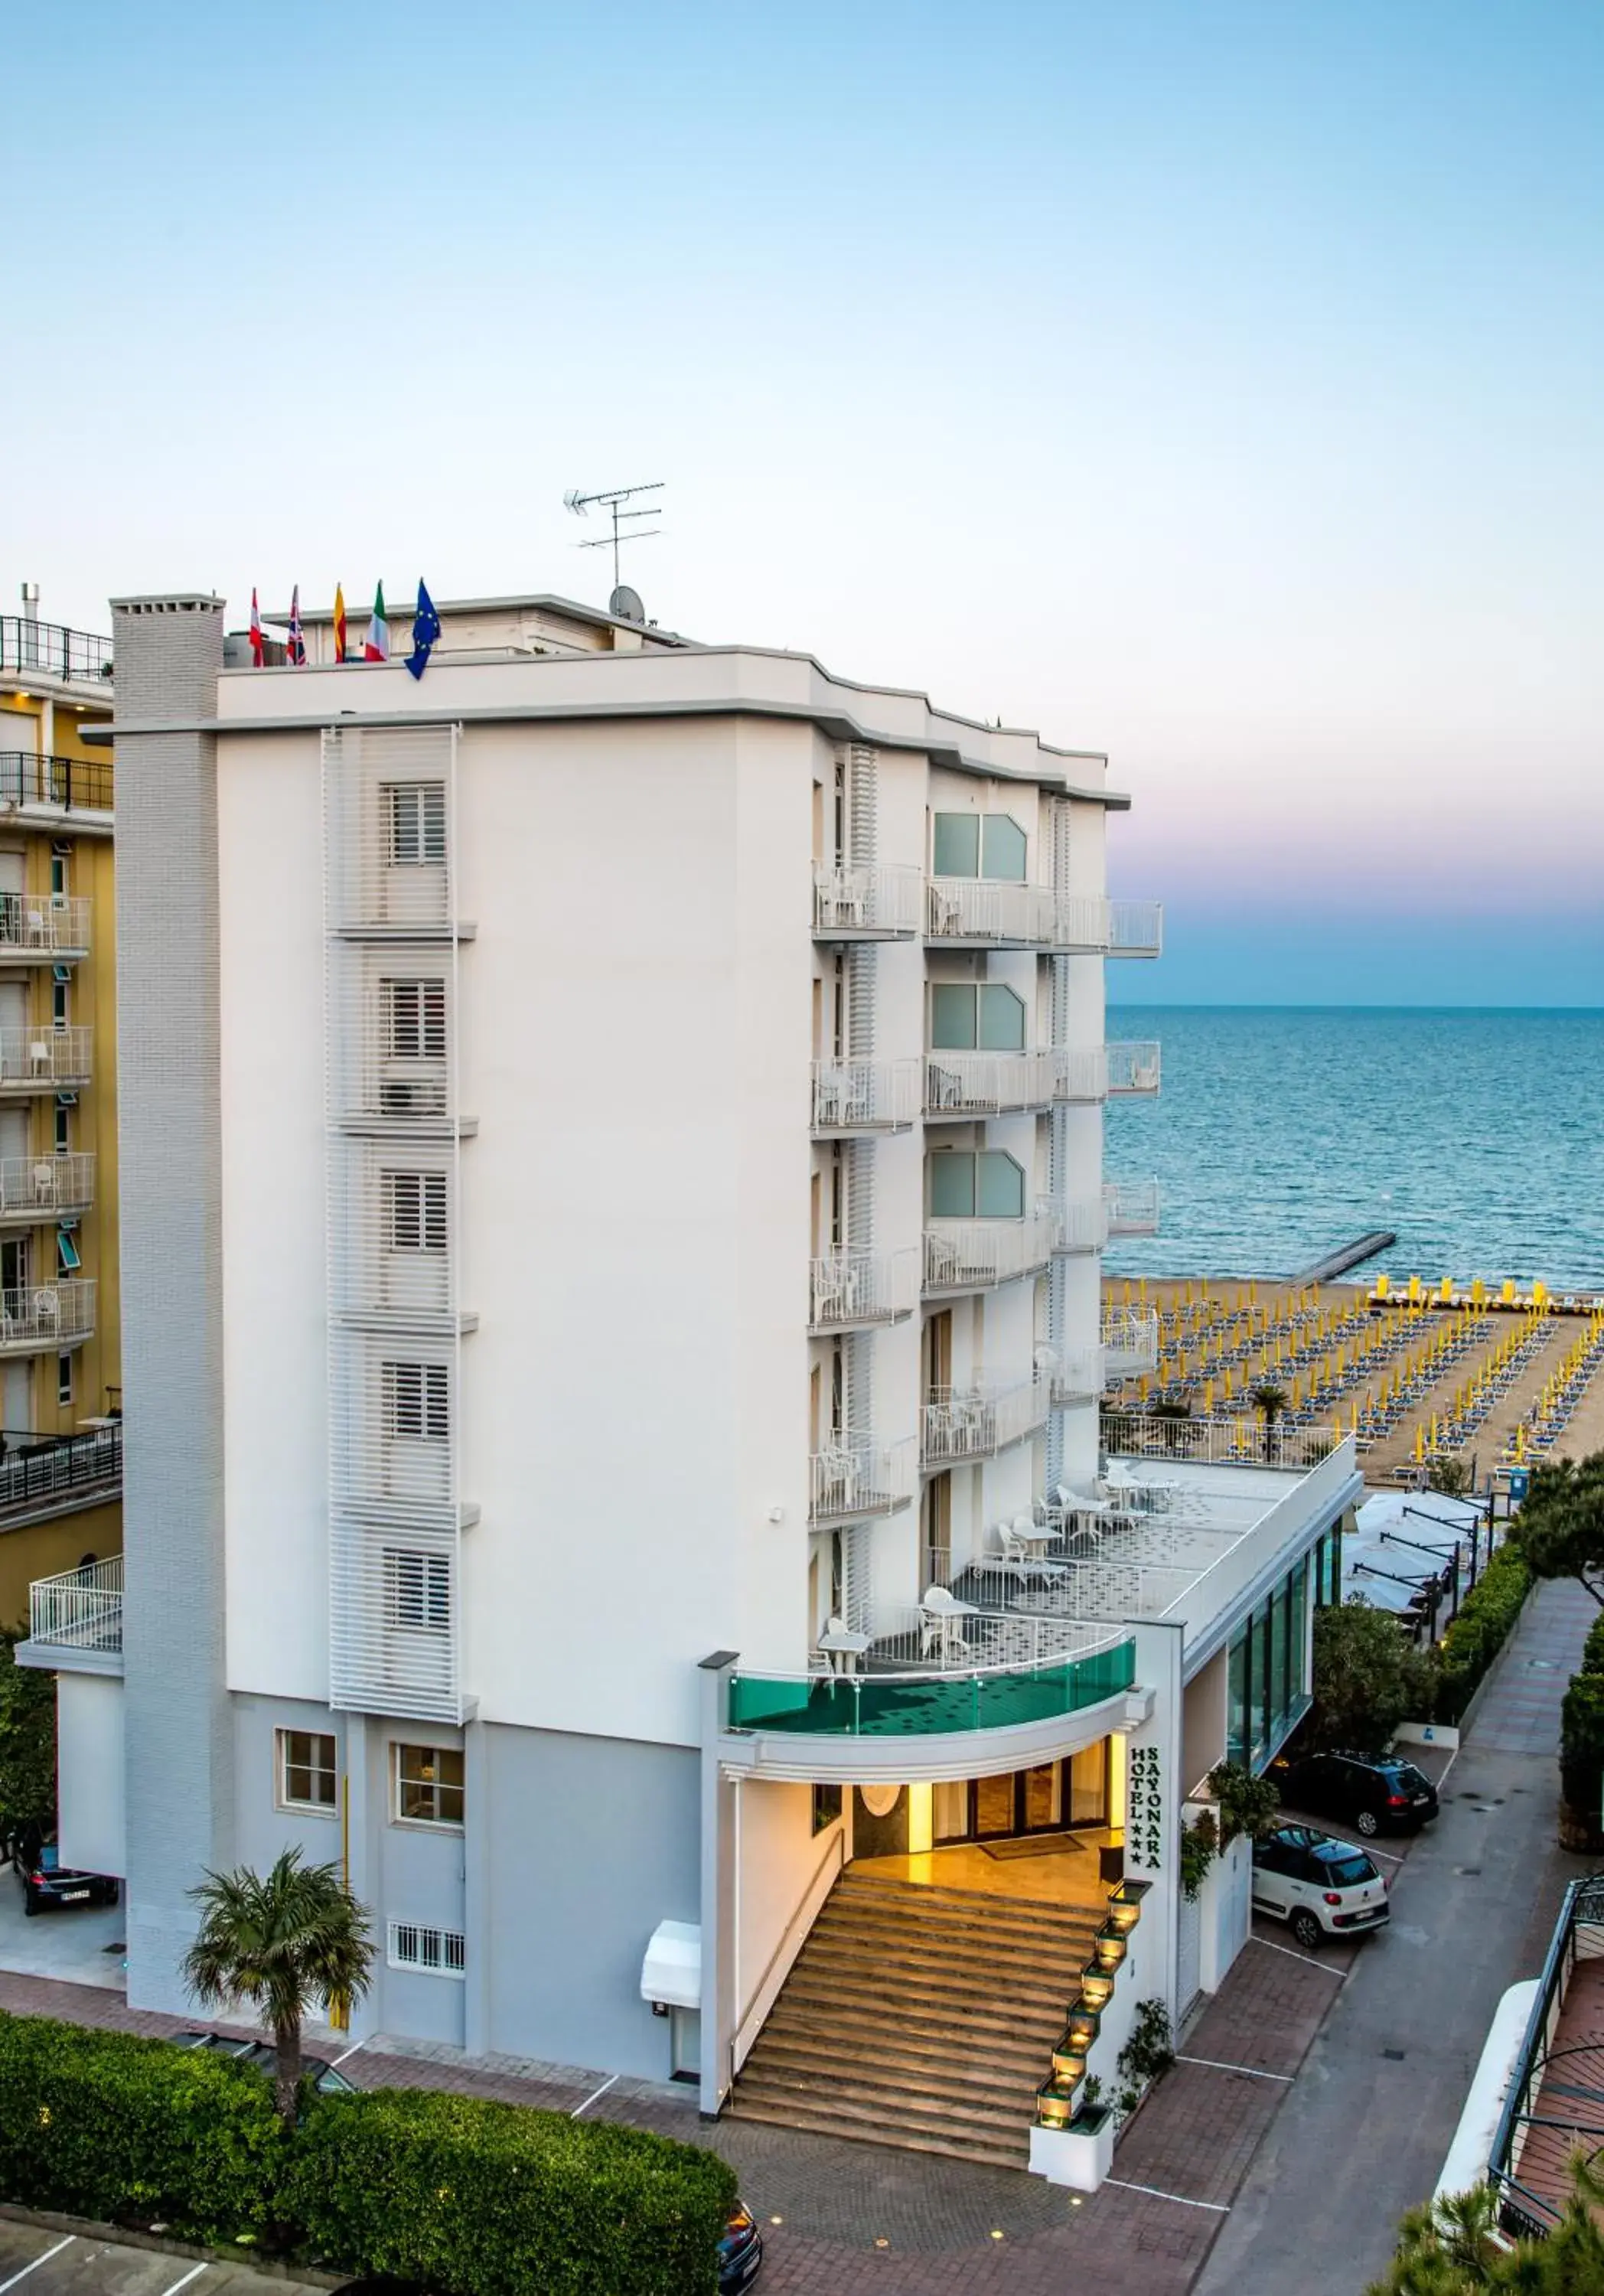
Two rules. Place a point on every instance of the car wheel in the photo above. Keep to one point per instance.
(1306, 1930)
(1367, 1823)
(30, 1904)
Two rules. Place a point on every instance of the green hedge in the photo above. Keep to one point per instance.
(1486, 1618)
(1592, 1648)
(1582, 1746)
(481, 2199)
(109, 2126)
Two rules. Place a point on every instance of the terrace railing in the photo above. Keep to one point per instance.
(50, 649)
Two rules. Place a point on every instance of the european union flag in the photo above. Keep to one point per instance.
(426, 631)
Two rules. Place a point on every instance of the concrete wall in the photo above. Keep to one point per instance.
(91, 1813)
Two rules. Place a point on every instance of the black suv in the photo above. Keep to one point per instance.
(1376, 1793)
(45, 1882)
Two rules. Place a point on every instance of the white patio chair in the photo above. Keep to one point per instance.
(941, 1626)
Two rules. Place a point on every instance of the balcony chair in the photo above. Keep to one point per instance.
(941, 1626)
(44, 1182)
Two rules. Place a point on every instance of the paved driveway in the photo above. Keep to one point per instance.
(39, 2263)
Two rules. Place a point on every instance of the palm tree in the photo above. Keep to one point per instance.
(1271, 1401)
(284, 1942)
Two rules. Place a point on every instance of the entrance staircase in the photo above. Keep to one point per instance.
(920, 2017)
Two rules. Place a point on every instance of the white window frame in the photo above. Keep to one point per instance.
(426, 1949)
(415, 1017)
(399, 1746)
(282, 1797)
(416, 1211)
(415, 824)
(414, 1401)
(417, 1591)
(64, 1379)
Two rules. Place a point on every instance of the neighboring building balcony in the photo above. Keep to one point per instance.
(1133, 1206)
(1077, 1226)
(1130, 1342)
(1134, 929)
(861, 901)
(863, 1096)
(44, 1059)
(976, 1422)
(31, 649)
(33, 1189)
(35, 781)
(978, 1255)
(855, 1291)
(76, 1620)
(1132, 1069)
(36, 927)
(853, 1479)
(964, 1084)
(46, 1319)
(45, 1474)
(1073, 1374)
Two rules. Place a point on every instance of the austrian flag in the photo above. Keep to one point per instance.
(376, 645)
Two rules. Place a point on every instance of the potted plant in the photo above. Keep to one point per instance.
(1079, 2153)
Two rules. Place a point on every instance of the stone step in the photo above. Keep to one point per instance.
(938, 2137)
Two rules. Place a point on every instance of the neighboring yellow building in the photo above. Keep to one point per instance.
(61, 1372)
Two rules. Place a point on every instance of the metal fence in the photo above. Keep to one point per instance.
(52, 650)
(1555, 2105)
(35, 1468)
(74, 784)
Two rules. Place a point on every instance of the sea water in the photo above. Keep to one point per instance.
(1284, 1131)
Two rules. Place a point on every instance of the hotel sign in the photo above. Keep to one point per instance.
(1144, 1818)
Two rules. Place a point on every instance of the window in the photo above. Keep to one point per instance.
(68, 1262)
(58, 993)
(417, 1590)
(979, 1185)
(307, 1772)
(414, 1013)
(416, 1399)
(826, 1806)
(441, 1952)
(415, 813)
(58, 868)
(63, 1128)
(978, 845)
(984, 1016)
(429, 1785)
(64, 1379)
(414, 1211)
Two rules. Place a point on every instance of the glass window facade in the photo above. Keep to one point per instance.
(1326, 1568)
(965, 1016)
(978, 845)
(986, 1184)
(1266, 1690)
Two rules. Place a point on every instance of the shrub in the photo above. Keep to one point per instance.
(1582, 1746)
(1486, 1618)
(481, 2199)
(113, 2127)
(1247, 1805)
(1368, 1678)
(1592, 1648)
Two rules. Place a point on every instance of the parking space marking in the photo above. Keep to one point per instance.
(38, 2260)
(1216, 2207)
(1270, 1945)
(194, 2273)
(1393, 1856)
(1216, 2066)
(591, 2099)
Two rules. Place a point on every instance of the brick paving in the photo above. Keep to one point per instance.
(1519, 1712)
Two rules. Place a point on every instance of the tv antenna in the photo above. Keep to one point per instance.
(613, 499)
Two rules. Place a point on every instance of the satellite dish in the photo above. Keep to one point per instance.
(626, 603)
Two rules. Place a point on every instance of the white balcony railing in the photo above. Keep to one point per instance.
(1130, 1342)
(1073, 1374)
(44, 1187)
(79, 1610)
(1083, 1073)
(963, 1640)
(44, 924)
(1133, 1068)
(1133, 1206)
(978, 1255)
(990, 1084)
(985, 910)
(46, 1316)
(974, 1422)
(854, 1478)
(852, 901)
(1242, 1443)
(849, 1289)
(1077, 1226)
(44, 1059)
(864, 1095)
(1135, 929)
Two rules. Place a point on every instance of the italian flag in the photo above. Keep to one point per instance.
(376, 644)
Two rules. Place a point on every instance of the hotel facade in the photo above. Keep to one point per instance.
(624, 1119)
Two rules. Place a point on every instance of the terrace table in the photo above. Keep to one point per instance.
(844, 1649)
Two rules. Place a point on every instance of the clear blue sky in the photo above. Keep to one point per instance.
(1213, 382)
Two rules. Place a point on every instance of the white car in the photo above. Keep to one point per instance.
(1319, 1887)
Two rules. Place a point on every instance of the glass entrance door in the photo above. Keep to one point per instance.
(1050, 1798)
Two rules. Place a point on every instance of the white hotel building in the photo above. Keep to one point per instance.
(613, 1196)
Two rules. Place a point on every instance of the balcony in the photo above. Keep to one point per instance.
(978, 1255)
(1135, 929)
(1133, 1206)
(863, 1096)
(35, 1189)
(46, 1318)
(38, 1472)
(987, 913)
(76, 1620)
(1130, 1342)
(30, 649)
(38, 782)
(36, 927)
(1132, 1069)
(964, 1084)
(1077, 1226)
(960, 1423)
(856, 1291)
(853, 1479)
(44, 1059)
(968, 1697)
(1082, 1074)
(1073, 1374)
(854, 901)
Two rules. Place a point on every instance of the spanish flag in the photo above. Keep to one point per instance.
(339, 624)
